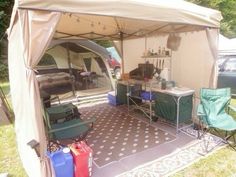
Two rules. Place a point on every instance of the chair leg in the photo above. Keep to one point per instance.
(227, 137)
(199, 136)
(205, 142)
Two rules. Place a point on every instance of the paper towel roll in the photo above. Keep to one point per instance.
(165, 74)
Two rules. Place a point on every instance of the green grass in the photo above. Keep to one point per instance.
(5, 87)
(9, 159)
(219, 164)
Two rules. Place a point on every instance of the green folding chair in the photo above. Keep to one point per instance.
(75, 129)
(213, 115)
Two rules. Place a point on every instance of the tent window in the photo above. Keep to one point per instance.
(88, 63)
(101, 64)
(47, 60)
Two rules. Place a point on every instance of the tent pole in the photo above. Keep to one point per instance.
(70, 70)
(122, 53)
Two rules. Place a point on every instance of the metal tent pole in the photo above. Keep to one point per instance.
(122, 53)
(70, 70)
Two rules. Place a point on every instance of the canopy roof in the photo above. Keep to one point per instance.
(227, 46)
(99, 19)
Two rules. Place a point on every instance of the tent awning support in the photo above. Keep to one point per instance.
(70, 70)
(122, 53)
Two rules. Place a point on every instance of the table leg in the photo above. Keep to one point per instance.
(177, 112)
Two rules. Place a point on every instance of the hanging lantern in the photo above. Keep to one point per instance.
(173, 42)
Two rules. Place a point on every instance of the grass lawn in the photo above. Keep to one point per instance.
(9, 158)
(219, 164)
(5, 87)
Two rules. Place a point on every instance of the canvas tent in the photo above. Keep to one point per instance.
(71, 56)
(227, 46)
(35, 23)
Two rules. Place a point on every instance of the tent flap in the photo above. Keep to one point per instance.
(28, 40)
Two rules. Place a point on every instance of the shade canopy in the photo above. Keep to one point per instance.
(106, 19)
(35, 23)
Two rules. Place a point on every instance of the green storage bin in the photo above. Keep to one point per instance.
(166, 107)
(122, 91)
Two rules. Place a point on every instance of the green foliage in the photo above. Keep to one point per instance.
(104, 43)
(3, 71)
(5, 15)
(228, 10)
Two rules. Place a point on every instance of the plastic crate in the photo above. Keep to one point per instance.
(145, 95)
(112, 98)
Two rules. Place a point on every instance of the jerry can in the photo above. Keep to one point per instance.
(82, 156)
(62, 162)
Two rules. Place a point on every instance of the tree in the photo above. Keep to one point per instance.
(228, 10)
(5, 15)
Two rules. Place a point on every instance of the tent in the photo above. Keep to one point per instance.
(71, 55)
(227, 46)
(35, 23)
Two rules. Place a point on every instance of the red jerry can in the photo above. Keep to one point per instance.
(82, 157)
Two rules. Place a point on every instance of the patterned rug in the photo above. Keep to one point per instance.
(179, 159)
(117, 135)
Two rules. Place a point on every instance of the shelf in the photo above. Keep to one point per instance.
(156, 56)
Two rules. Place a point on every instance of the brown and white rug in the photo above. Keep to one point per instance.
(117, 135)
(179, 159)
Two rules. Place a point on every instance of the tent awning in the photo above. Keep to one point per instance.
(80, 45)
(106, 19)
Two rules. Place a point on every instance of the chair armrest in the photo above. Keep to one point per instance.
(200, 110)
(72, 126)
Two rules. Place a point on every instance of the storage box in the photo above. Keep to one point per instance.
(112, 98)
(125, 76)
(147, 95)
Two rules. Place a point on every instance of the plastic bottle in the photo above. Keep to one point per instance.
(159, 51)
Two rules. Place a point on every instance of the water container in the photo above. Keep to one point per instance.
(82, 155)
(62, 162)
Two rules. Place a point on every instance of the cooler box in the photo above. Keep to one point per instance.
(82, 156)
(62, 162)
(112, 98)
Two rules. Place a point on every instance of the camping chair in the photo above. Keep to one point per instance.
(213, 116)
(75, 129)
(62, 112)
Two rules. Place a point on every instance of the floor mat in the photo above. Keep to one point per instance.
(177, 160)
(117, 135)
